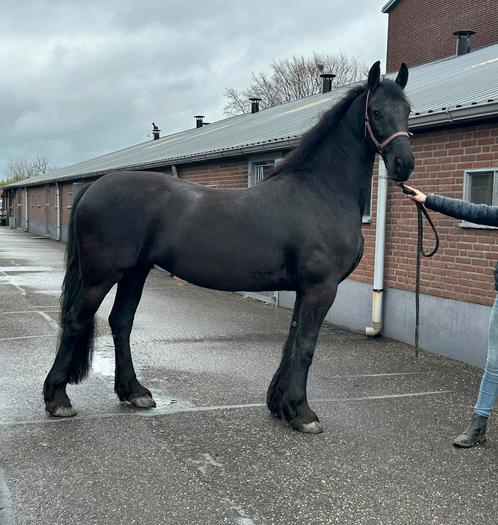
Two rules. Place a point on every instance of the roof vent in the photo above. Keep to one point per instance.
(463, 41)
(327, 81)
(199, 121)
(155, 131)
(254, 104)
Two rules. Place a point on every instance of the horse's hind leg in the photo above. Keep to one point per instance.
(287, 392)
(121, 318)
(75, 347)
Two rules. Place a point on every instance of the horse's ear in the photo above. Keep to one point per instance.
(402, 77)
(374, 76)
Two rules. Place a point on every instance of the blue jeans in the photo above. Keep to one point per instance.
(489, 382)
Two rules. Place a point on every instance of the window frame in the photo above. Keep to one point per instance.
(467, 186)
(258, 160)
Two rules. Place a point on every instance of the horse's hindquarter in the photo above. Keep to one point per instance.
(114, 222)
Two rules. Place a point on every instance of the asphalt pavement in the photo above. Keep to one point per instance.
(210, 453)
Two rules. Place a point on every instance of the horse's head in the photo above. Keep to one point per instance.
(386, 121)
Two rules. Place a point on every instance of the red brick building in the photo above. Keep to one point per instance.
(421, 31)
(455, 125)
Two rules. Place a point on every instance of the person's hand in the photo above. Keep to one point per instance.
(418, 196)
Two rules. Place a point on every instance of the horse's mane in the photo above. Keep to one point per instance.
(323, 127)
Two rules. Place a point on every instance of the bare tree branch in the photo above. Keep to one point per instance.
(23, 169)
(293, 78)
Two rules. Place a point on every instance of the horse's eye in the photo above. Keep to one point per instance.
(376, 113)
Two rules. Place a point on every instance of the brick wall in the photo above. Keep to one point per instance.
(221, 173)
(463, 267)
(420, 31)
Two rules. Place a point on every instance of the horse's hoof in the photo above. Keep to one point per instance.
(143, 402)
(62, 411)
(311, 428)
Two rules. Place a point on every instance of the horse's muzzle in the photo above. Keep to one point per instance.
(399, 163)
(403, 168)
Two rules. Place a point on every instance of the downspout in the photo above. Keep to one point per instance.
(26, 218)
(58, 201)
(380, 245)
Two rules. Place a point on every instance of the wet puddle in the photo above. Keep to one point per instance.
(103, 364)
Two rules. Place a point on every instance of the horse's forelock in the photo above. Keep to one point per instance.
(394, 90)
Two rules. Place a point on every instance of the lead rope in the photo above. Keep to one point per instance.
(421, 213)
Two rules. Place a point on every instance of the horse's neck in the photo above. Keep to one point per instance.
(346, 155)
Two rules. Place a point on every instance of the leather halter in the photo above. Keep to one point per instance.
(368, 129)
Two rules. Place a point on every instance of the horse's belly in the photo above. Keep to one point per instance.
(225, 269)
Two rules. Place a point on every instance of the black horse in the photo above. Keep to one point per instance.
(300, 229)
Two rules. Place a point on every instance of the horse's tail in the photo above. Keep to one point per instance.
(81, 355)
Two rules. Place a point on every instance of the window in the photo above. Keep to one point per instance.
(259, 171)
(480, 187)
(77, 187)
(261, 166)
(31, 200)
(72, 194)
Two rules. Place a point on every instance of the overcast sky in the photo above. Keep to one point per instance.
(83, 78)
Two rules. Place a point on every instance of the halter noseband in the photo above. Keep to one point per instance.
(368, 129)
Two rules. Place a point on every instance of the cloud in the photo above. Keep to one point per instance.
(83, 78)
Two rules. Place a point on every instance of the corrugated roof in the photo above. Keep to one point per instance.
(389, 5)
(442, 91)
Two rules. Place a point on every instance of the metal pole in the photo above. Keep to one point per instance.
(380, 246)
(58, 204)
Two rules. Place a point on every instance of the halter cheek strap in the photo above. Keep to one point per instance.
(369, 131)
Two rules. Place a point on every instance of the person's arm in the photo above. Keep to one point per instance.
(458, 208)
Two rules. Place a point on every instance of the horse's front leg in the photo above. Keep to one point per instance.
(275, 390)
(287, 392)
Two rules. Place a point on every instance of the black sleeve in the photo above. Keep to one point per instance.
(463, 210)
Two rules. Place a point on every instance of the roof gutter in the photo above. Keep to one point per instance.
(454, 115)
(389, 6)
